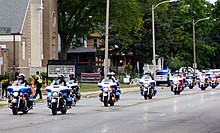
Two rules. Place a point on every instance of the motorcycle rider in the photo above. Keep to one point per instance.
(72, 79)
(21, 81)
(111, 76)
(178, 80)
(60, 80)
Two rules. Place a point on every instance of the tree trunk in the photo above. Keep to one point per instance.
(64, 48)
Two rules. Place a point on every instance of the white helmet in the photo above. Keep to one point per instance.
(21, 75)
(61, 76)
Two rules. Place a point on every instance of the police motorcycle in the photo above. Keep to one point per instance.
(109, 94)
(75, 94)
(20, 97)
(111, 75)
(147, 89)
(203, 83)
(59, 97)
(177, 86)
(190, 80)
(214, 82)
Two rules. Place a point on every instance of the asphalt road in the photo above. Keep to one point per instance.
(193, 111)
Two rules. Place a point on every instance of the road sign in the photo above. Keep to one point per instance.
(55, 70)
(194, 65)
(90, 77)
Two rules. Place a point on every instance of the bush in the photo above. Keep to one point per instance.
(44, 76)
(4, 77)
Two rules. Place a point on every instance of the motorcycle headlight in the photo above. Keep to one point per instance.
(105, 89)
(55, 94)
(15, 94)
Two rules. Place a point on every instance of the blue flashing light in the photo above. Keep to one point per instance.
(142, 83)
(165, 69)
(49, 94)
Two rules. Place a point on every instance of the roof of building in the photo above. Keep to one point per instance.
(12, 14)
(82, 50)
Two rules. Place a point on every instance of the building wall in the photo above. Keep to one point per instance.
(36, 34)
(3, 59)
(50, 31)
(90, 41)
(24, 45)
(7, 40)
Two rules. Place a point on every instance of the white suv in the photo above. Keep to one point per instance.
(161, 77)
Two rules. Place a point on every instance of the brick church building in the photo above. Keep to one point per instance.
(28, 35)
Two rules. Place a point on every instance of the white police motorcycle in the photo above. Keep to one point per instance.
(190, 82)
(214, 82)
(59, 98)
(147, 89)
(203, 83)
(75, 91)
(110, 92)
(20, 99)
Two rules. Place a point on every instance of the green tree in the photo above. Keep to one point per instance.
(79, 18)
(214, 35)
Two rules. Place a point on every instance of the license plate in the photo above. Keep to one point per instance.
(105, 94)
(14, 101)
(53, 100)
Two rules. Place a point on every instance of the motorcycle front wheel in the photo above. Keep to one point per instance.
(112, 103)
(54, 109)
(145, 97)
(14, 110)
(105, 101)
(191, 87)
(203, 88)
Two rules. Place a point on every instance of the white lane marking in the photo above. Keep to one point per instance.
(162, 115)
(105, 130)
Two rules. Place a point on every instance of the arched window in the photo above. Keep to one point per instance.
(54, 19)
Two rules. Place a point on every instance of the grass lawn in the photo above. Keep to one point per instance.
(85, 87)
(3, 104)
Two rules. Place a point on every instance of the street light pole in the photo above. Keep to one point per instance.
(153, 34)
(194, 43)
(194, 49)
(106, 63)
(153, 30)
